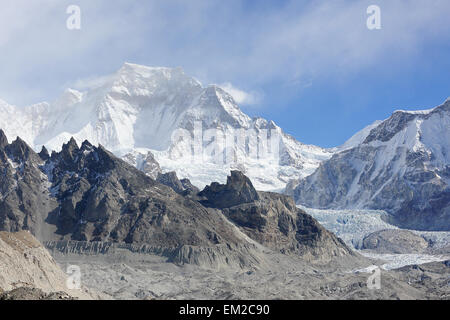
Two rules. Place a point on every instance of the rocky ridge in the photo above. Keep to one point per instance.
(87, 195)
(273, 220)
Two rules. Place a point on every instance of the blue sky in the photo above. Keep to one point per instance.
(311, 66)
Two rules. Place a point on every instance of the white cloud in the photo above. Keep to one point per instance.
(240, 96)
(91, 82)
(266, 44)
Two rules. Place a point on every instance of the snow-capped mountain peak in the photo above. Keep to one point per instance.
(402, 166)
(140, 108)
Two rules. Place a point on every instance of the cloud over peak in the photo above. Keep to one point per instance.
(240, 96)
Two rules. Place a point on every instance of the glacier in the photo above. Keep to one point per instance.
(353, 226)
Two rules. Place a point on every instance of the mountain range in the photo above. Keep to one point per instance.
(400, 165)
(88, 195)
(138, 109)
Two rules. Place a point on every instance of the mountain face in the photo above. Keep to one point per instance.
(141, 109)
(86, 194)
(160, 120)
(272, 219)
(402, 165)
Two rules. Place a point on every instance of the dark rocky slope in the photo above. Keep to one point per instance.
(272, 219)
(86, 194)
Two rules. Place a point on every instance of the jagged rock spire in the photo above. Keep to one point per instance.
(44, 154)
(71, 145)
(238, 190)
(19, 149)
(86, 145)
(3, 139)
(70, 148)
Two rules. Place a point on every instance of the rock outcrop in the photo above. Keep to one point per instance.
(395, 241)
(273, 220)
(183, 186)
(237, 190)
